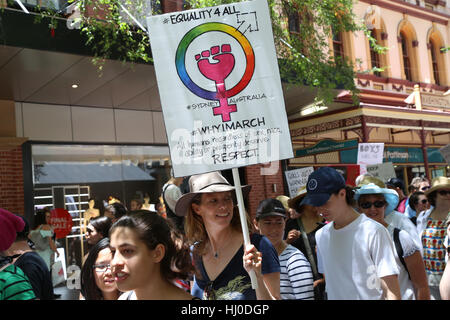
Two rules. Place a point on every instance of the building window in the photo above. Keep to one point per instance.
(374, 56)
(434, 63)
(293, 21)
(406, 57)
(338, 44)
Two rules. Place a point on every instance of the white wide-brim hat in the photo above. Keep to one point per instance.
(205, 183)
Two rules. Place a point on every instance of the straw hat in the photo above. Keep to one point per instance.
(301, 193)
(437, 184)
(205, 183)
(284, 201)
(369, 179)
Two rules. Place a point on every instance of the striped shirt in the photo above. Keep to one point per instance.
(296, 278)
(14, 284)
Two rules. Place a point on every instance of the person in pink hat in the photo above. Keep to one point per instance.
(14, 284)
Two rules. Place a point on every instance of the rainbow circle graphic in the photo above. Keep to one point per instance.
(198, 31)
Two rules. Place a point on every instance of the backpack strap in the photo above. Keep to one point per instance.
(310, 257)
(398, 247)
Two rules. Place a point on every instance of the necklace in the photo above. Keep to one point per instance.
(216, 251)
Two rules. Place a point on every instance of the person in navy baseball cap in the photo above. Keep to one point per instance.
(321, 184)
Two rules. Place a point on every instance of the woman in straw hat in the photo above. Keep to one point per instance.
(374, 202)
(432, 227)
(213, 226)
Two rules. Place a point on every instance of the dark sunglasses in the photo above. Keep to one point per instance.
(377, 204)
(444, 192)
(425, 188)
(423, 201)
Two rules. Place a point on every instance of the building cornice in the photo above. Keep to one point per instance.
(412, 10)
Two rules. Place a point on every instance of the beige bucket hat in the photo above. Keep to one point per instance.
(205, 183)
(438, 183)
(293, 202)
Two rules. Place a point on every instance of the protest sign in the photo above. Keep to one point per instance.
(220, 90)
(382, 171)
(445, 151)
(370, 153)
(296, 179)
(220, 87)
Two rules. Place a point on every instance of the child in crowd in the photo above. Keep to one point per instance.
(296, 278)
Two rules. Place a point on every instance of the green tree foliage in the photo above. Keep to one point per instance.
(302, 31)
(111, 32)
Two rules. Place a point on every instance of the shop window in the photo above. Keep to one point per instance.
(68, 176)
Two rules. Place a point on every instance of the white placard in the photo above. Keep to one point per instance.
(382, 171)
(220, 87)
(296, 179)
(370, 153)
(445, 152)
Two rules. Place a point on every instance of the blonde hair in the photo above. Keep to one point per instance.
(195, 228)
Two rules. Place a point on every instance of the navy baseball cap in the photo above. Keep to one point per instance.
(321, 184)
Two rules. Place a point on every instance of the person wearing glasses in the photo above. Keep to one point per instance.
(374, 201)
(418, 202)
(354, 253)
(97, 281)
(418, 184)
(148, 257)
(432, 227)
(222, 262)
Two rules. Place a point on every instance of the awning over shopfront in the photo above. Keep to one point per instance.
(79, 173)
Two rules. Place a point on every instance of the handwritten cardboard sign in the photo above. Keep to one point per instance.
(296, 179)
(445, 151)
(382, 171)
(370, 153)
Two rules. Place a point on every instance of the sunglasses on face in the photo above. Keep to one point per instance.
(377, 204)
(425, 188)
(444, 192)
(423, 201)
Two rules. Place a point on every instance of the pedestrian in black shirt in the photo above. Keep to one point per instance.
(31, 264)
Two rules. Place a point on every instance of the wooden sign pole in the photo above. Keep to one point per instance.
(243, 216)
